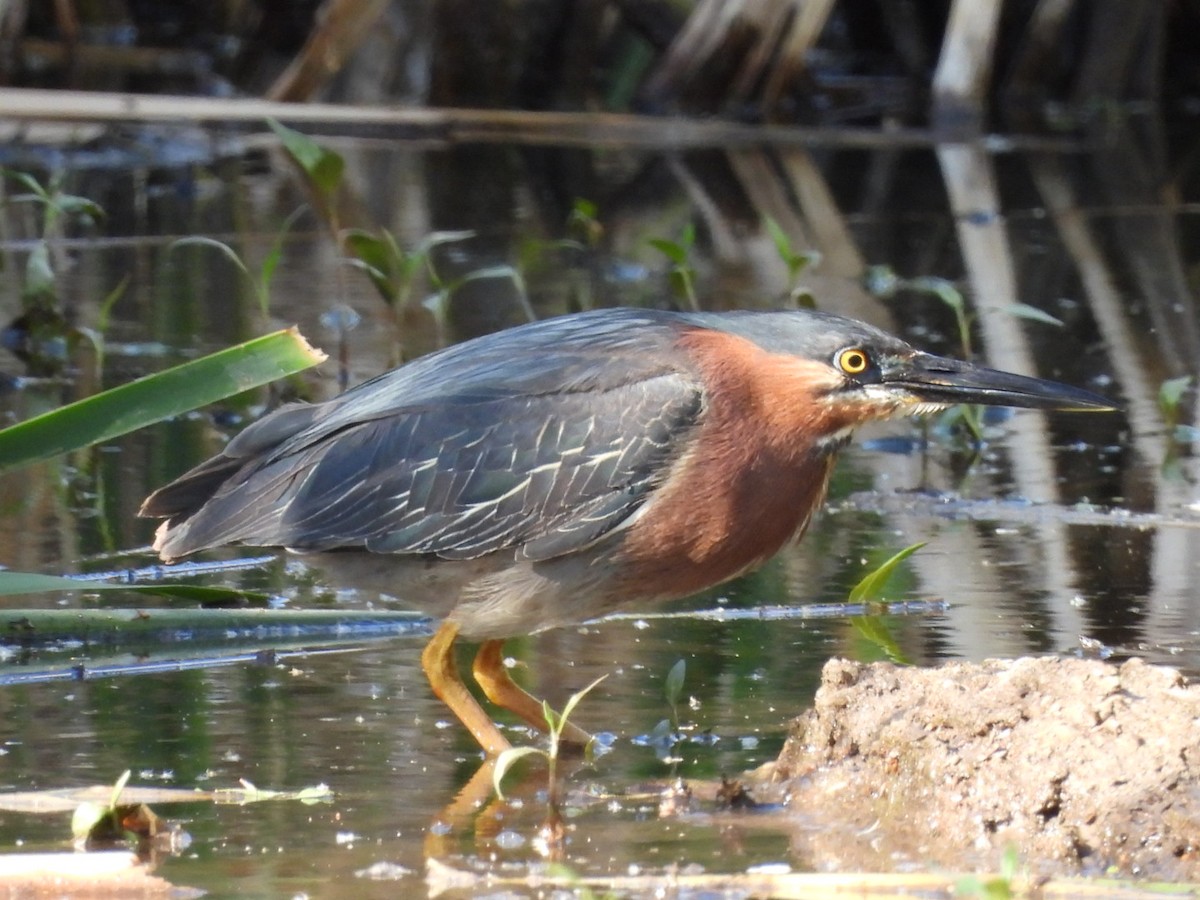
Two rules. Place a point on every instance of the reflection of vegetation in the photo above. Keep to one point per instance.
(57, 208)
(1001, 887)
(260, 283)
(1170, 399)
(1170, 394)
(43, 335)
(584, 221)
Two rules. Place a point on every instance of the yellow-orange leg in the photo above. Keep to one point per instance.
(437, 659)
(492, 676)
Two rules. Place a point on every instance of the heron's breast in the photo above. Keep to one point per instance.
(755, 470)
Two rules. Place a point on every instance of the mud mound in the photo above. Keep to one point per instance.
(1086, 767)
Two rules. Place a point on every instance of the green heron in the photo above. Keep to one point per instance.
(564, 469)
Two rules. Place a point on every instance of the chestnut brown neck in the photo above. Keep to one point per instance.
(755, 470)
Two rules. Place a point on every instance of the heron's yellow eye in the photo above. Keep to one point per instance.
(853, 361)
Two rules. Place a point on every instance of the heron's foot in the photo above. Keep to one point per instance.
(492, 677)
(437, 659)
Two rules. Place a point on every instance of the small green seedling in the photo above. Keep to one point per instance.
(48, 335)
(1170, 396)
(871, 589)
(556, 723)
(260, 283)
(584, 221)
(1170, 400)
(394, 271)
(882, 281)
(551, 837)
(136, 824)
(951, 296)
(88, 815)
(673, 688)
(796, 261)
(579, 889)
(323, 167)
(682, 273)
(1000, 887)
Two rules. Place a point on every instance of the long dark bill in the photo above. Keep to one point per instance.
(936, 379)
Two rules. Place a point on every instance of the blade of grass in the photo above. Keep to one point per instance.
(156, 397)
(30, 627)
(15, 583)
(870, 588)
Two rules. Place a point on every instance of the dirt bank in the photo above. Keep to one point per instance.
(1087, 767)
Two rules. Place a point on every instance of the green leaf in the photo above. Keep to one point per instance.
(943, 289)
(437, 238)
(506, 760)
(553, 719)
(81, 207)
(118, 787)
(270, 262)
(220, 246)
(382, 260)
(324, 167)
(251, 793)
(109, 301)
(882, 281)
(39, 273)
(783, 244)
(1010, 862)
(674, 684)
(371, 250)
(16, 583)
(1032, 313)
(156, 397)
(30, 183)
(87, 816)
(1171, 392)
(573, 700)
(870, 588)
(671, 250)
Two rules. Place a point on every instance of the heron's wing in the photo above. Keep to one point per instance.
(541, 474)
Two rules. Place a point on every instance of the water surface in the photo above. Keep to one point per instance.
(1065, 534)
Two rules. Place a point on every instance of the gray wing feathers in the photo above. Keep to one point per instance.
(540, 474)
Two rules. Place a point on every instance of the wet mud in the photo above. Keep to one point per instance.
(1085, 767)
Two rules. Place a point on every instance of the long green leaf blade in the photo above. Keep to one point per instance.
(870, 588)
(115, 626)
(156, 397)
(17, 583)
(505, 761)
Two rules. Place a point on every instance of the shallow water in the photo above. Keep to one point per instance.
(1061, 534)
